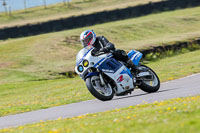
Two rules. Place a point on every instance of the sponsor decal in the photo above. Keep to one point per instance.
(107, 70)
(127, 87)
(127, 71)
(120, 79)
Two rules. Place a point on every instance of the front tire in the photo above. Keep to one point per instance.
(148, 86)
(103, 93)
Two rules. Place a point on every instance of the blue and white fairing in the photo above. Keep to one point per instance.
(85, 55)
(135, 56)
(120, 74)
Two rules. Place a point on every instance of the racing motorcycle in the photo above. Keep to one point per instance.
(106, 77)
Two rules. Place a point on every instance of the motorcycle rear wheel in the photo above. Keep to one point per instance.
(103, 93)
(148, 86)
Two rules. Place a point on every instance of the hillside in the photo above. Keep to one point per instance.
(57, 11)
(83, 20)
(46, 55)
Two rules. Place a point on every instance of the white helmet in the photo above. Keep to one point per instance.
(87, 38)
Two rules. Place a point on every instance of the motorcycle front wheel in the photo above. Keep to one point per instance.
(150, 86)
(103, 93)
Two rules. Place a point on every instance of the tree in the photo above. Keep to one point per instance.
(25, 5)
(64, 2)
(68, 3)
(10, 11)
(45, 5)
(4, 4)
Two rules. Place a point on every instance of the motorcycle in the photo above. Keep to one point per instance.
(106, 77)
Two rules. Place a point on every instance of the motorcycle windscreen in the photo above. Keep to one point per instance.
(135, 56)
(110, 66)
(82, 53)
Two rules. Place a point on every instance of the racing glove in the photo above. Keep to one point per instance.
(105, 50)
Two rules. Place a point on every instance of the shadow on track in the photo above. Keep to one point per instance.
(160, 91)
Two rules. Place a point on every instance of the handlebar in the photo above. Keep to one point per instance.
(95, 53)
(99, 53)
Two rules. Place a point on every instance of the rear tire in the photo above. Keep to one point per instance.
(150, 88)
(91, 87)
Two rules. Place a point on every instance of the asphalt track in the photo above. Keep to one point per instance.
(188, 86)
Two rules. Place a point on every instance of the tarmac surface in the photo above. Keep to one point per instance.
(187, 86)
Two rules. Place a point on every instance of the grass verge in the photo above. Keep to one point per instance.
(176, 115)
(20, 97)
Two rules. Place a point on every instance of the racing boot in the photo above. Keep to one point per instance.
(134, 68)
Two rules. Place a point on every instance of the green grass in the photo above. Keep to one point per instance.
(26, 96)
(29, 66)
(174, 116)
(29, 77)
(20, 97)
(153, 56)
(57, 11)
(174, 67)
(46, 55)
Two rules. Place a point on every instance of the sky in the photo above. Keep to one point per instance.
(19, 4)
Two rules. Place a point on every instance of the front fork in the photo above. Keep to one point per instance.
(102, 82)
(101, 79)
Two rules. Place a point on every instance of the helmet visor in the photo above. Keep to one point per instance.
(86, 41)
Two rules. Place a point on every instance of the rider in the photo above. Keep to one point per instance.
(101, 44)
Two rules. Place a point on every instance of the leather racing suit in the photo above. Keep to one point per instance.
(103, 45)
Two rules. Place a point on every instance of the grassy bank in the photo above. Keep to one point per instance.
(29, 67)
(57, 11)
(176, 115)
(44, 56)
(20, 97)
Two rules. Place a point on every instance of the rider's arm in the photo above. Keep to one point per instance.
(107, 46)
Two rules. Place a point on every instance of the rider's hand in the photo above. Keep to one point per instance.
(94, 51)
(105, 50)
